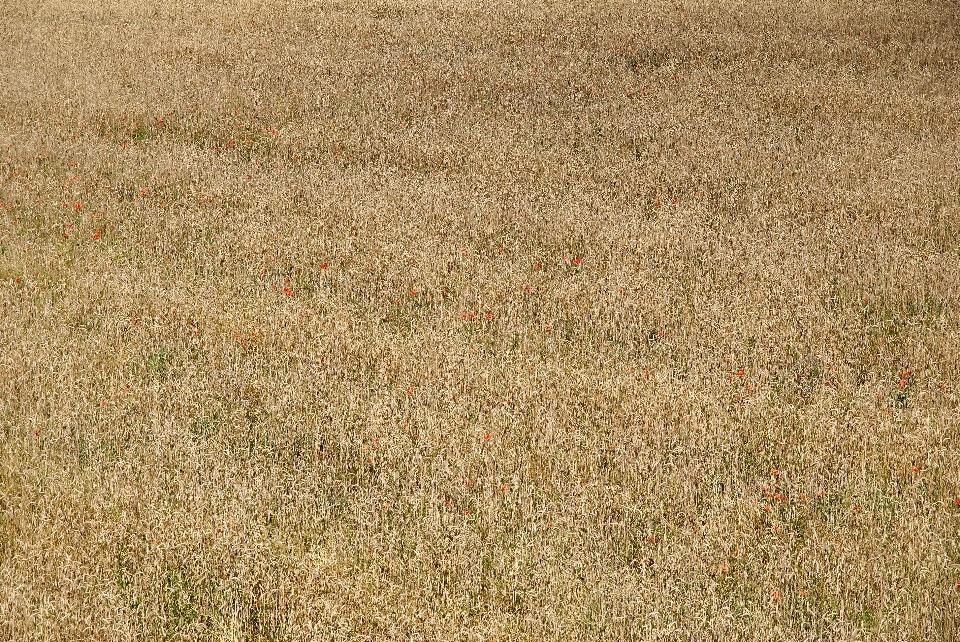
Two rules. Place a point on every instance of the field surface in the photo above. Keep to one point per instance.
(479, 320)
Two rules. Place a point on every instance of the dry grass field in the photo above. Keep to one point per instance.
(479, 320)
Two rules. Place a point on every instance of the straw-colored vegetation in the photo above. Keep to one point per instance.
(479, 320)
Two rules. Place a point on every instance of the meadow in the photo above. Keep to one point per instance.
(487, 320)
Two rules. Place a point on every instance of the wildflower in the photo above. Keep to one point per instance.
(288, 291)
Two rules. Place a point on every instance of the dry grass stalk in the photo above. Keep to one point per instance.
(489, 320)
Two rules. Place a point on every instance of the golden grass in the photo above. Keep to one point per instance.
(479, 321)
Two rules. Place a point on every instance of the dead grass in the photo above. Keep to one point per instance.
(409, 320)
